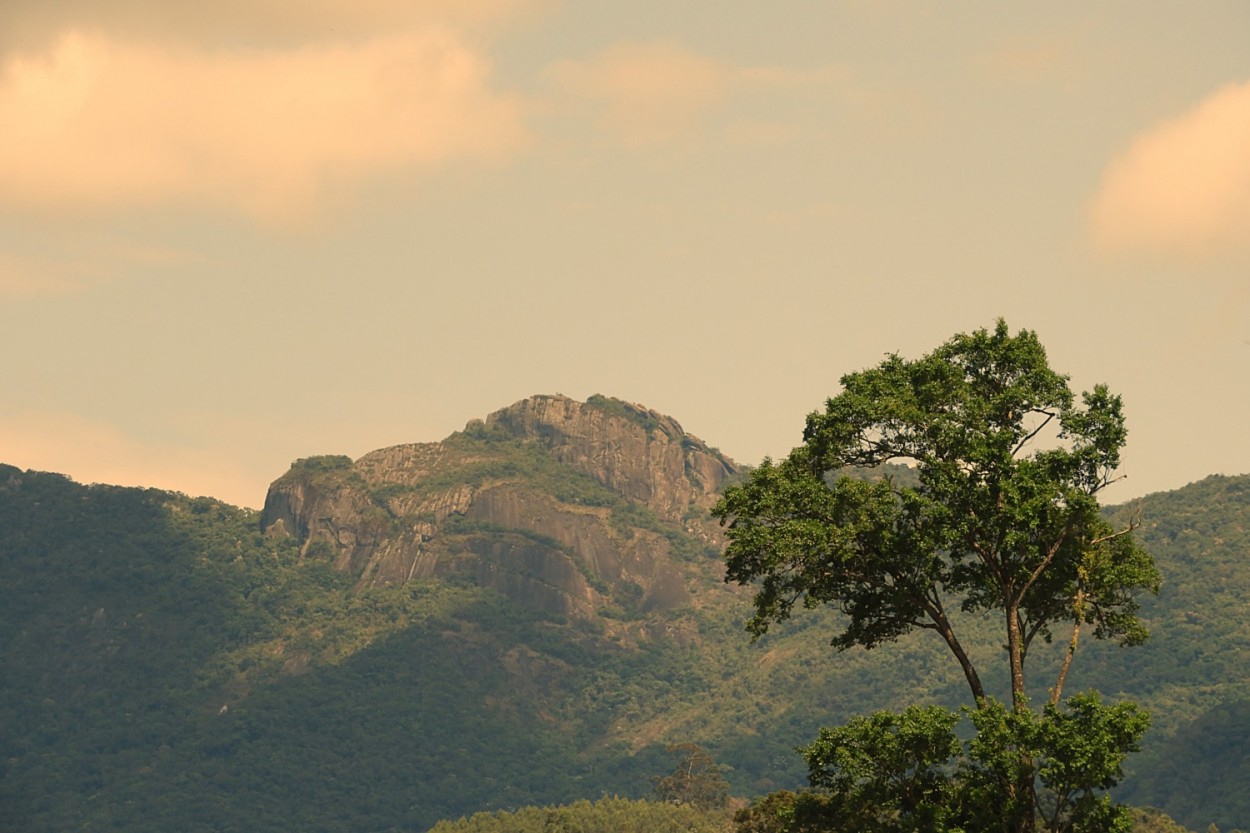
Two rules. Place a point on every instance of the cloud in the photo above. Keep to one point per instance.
(92, 452)
(99, 123)
(647, 92)
(34, 24)
(1183, 187)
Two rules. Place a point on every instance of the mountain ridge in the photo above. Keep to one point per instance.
(261, 673)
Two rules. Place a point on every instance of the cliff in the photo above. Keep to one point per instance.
(570, 507)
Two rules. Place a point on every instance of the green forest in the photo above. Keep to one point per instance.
(167, 665)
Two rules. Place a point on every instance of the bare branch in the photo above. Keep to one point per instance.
(1029, 437)
(1106, 481)
(1133, 524)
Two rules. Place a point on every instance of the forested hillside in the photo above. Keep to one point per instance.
(609, 815)
(1194, 674)
(170, 665)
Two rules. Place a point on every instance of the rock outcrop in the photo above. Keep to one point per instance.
(574, 508)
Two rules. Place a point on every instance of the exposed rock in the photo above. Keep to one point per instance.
(643, 455)
(569, 507)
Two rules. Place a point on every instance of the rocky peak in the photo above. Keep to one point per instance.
(572, 507)
(637, 452)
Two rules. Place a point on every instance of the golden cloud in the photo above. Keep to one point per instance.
(647, 92)
(99, 122)
(1183, 187)
(32, 24)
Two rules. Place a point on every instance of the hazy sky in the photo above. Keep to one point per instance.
(240, 232)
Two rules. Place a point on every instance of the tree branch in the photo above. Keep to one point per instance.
(1034, 629)
(1029, 437)
(1079, 605)
(1133, 524)
(1050, 556)
(942, 625)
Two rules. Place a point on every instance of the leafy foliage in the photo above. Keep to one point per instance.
(608, 815)
(887, 771)
(995, 524)
(785, 811)
(1000, 523)
(908, 771)
(1150, 820)
(1075, 752)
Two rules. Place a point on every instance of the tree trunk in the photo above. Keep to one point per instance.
(1015, 651)
(943, 626)
(1024, 789)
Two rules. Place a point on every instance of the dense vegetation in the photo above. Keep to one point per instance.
(1194, 671)
(608, 815)
(1000, 524)
(169, 667)
(129, 618)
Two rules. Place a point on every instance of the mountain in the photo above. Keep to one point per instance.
(1194, 671)
(515, 615)
(566, 507)
(524, 613)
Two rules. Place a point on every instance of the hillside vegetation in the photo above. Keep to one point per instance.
(173, 663)
(608, 815)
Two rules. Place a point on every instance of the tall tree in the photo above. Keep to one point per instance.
(1003, 519)
(697, 780)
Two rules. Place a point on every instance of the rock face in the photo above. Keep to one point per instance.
(642, 455)
(574, 508)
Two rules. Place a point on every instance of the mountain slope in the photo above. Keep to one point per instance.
(180, 662)
(522, 614)
(1194, 672)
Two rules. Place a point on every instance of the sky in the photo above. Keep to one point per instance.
(237, 233)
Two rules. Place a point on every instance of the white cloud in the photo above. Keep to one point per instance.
(100, 123)
(1183, 187)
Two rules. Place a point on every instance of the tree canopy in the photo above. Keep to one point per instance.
(696, 780)
(1002, 519)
